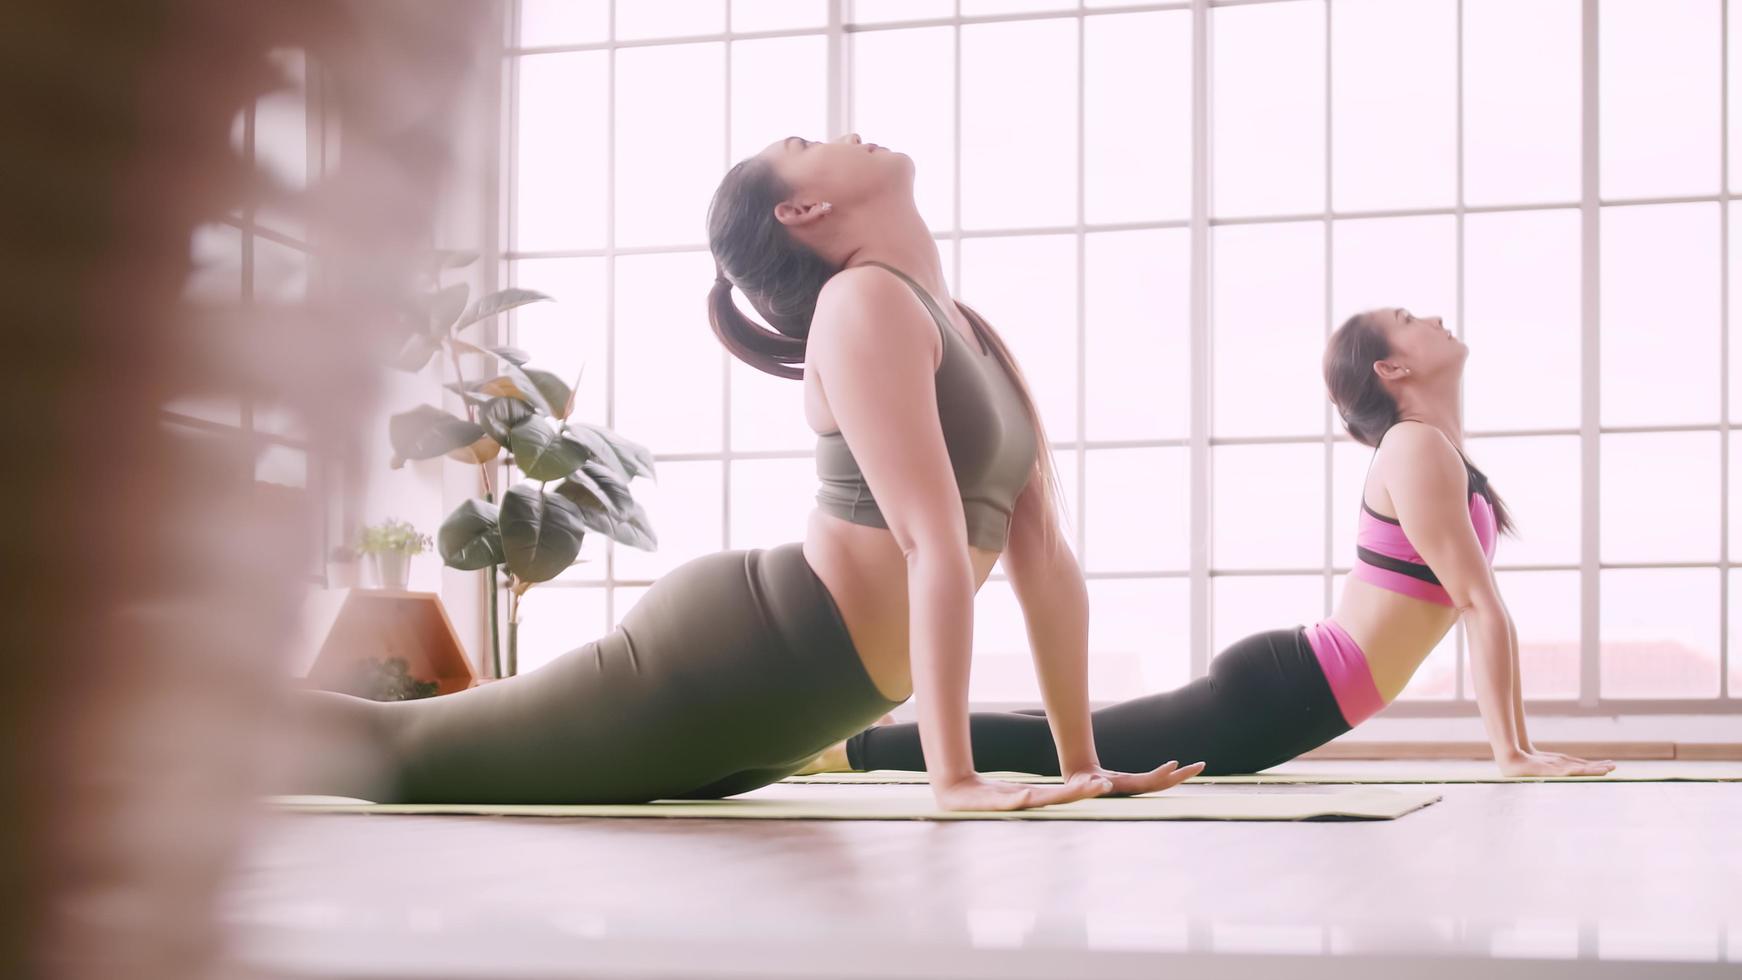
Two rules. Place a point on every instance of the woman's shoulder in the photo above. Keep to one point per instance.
(1418, 446)
(865, 307)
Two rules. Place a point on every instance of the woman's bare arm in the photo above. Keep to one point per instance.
(875, 351)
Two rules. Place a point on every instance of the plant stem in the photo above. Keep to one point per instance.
(513, 629)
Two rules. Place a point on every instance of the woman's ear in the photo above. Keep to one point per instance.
(1390, 370)
(793, 215)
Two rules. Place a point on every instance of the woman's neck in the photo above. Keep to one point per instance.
(900, 238)
(1441, 407)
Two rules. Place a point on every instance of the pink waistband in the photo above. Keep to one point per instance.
(1345, 667)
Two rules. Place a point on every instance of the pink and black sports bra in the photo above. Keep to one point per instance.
(1385, 558)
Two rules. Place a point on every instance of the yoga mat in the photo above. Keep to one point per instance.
(1475, 772)
(916, 804)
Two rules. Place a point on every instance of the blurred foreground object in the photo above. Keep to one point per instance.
(149, 582)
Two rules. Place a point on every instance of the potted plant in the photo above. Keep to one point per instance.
(389, 546)
(574, 476)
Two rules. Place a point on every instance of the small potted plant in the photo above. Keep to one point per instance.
(389, 546)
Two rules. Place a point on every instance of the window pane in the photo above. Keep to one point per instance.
(670, 18)
(977, 8)
(1660, 314)
(1019, 124)
(903, 98)
(1735, 93)
(552, 22)
(1268, 506)
(214, 282)
(1139, 636)
(554, 621)
(1139, 507)
(280, 273)
(1645, 518)
(1521, 101)
(1735, 314)
(885, 11)
(669, 141)
(589, 565)
(560, 160)
(1545, 609)
(668, 362)
(1137, 164)
(1735, 636)
(778, 15)
(771, 501)
(566, 336)
(1003, 669)
(1268, 108)
(1436, 677)
(1387, 262)
(1660, 633)
(1268, 303)
(778, 90)
(1349, 464)
(684, 508)
(624, 598)
(281, 138)
(1538, 478)
(767, 412)
(1138, 337)
(1026, 288)
(1735, 502)
(1521, 320)
(1248, 604)
(1394, 104)
(1658, 79)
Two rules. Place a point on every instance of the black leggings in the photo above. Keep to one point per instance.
(1263, 702)
(729, 674)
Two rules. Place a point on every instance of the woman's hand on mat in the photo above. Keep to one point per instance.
(1165, 776)
(976, 793)
(1552, 764)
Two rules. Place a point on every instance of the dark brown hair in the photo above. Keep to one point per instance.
(782, 279)
(1368, 410)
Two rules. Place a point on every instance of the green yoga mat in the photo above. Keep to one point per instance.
(1474, 772)
(914, 803)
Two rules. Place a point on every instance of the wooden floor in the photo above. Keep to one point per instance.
(1535, 880)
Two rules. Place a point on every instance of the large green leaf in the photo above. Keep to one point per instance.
(524, 387)
(500, 415)
(629, 459)
(541, 533)
(426, 432)
(415, 353)
(445, 307)
(499, 301)
(470, 537)
(542, 454)
(554, 390)
(608, 507)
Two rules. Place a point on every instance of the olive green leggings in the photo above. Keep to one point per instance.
(731, 672)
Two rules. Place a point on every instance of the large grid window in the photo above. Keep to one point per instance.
(1165, 209)
(260, 256)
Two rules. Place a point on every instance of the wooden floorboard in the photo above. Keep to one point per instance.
(1531, 880)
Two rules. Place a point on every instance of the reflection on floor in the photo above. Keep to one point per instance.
(1531, 880)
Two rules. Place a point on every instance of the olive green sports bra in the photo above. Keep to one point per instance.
(986, 430)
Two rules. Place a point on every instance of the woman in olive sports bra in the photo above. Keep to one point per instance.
(1429, 522)
(736, 668)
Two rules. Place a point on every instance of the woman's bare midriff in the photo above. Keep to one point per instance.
(866, 573)
(1396, 632)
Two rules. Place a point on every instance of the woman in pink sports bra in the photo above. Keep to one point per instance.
(1423, 559)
